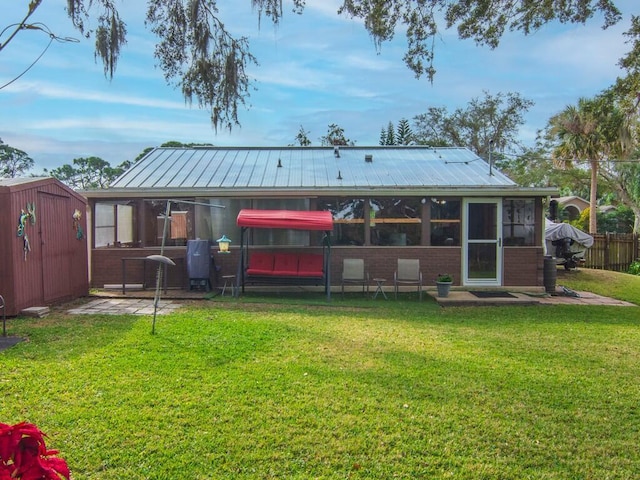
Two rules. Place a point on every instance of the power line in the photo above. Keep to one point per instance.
(36, 26)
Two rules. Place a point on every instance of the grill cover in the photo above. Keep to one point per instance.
(198, 259)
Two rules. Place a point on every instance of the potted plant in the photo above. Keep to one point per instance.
(444, 282)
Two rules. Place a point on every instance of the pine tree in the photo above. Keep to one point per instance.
(391, 137)
(383, 136)
(404, 135)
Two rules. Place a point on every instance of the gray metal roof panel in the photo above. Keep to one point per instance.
(309, 167)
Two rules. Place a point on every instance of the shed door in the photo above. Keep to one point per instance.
(54, 216)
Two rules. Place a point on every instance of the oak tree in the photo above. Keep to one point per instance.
(208, 62)
(13, 161)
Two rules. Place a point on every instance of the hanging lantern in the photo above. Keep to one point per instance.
(223, 244)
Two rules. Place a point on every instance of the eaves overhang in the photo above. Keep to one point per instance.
(457, 191)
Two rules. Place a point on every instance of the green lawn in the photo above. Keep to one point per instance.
(281, 389)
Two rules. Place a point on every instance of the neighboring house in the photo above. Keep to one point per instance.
(443, 206)
(574, 206)
(43, 245)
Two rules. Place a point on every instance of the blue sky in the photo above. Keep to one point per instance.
(315, 69)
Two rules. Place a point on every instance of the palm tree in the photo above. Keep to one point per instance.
(590, 132)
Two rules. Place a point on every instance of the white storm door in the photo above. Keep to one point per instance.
(482, 242)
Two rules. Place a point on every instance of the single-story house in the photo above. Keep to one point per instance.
(446, 207)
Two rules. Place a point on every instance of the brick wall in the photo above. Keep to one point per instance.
(523, 266)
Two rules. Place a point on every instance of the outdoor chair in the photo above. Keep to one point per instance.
(408, 273)
(353, 273)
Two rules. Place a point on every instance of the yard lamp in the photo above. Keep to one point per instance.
(223, 244)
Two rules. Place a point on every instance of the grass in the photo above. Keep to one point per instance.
(273, 387)
(603, 282)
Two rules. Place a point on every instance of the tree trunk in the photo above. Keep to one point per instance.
(593, 196)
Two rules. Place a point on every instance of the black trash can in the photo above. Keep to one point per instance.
(550, 274)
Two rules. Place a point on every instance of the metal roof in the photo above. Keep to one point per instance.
(289, 170)
(12, 182)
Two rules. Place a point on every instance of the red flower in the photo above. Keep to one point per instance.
(24, 455)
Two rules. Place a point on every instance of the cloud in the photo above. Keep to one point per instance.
(60, 92)
(593, 52)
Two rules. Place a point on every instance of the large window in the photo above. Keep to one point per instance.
(280, 236)
(445, 222)
(114, 224)
(213, 222)
(179, 227)
(348, 219)
(395, 221)
(518, 221)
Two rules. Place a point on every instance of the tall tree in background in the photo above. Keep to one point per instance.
(627, 87)
(491, 122)
(483, 21)
(383, 136)
(391, 135)
(404, 134)
(590, 132)
(209, 64)
(626, 92)
(13, 162)
(388, 135)
(335, 136)
(87, 173)
(302, 138)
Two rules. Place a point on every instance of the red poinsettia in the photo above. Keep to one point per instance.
(24, 455)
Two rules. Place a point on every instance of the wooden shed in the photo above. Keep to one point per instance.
(43, 245)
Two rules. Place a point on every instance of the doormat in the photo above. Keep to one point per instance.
(492, 294)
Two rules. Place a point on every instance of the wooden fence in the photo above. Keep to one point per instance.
(612, 251)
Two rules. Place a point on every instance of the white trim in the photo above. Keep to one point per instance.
(482, 282)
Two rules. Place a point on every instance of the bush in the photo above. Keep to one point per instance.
(634, 268)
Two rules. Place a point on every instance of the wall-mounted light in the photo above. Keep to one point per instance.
(223, 244)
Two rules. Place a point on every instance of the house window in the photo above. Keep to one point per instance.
(213, 222)
(445, 222)
(395, 221)
(179, 226)
(114, 225)
(348, 219)
(281, 236)
(518, 222)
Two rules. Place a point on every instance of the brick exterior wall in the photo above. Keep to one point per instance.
(523, 266)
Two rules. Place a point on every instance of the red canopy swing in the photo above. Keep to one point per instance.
(286, 219)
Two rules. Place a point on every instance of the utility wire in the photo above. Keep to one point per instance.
(52, 37)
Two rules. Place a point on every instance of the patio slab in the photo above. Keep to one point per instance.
(461, 298)
(120, 306)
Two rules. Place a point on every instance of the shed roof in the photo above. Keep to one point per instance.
(300, 170)
(10, 186)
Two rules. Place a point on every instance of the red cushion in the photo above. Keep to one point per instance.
(260, 264)
(310, 265)
(285, 264)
